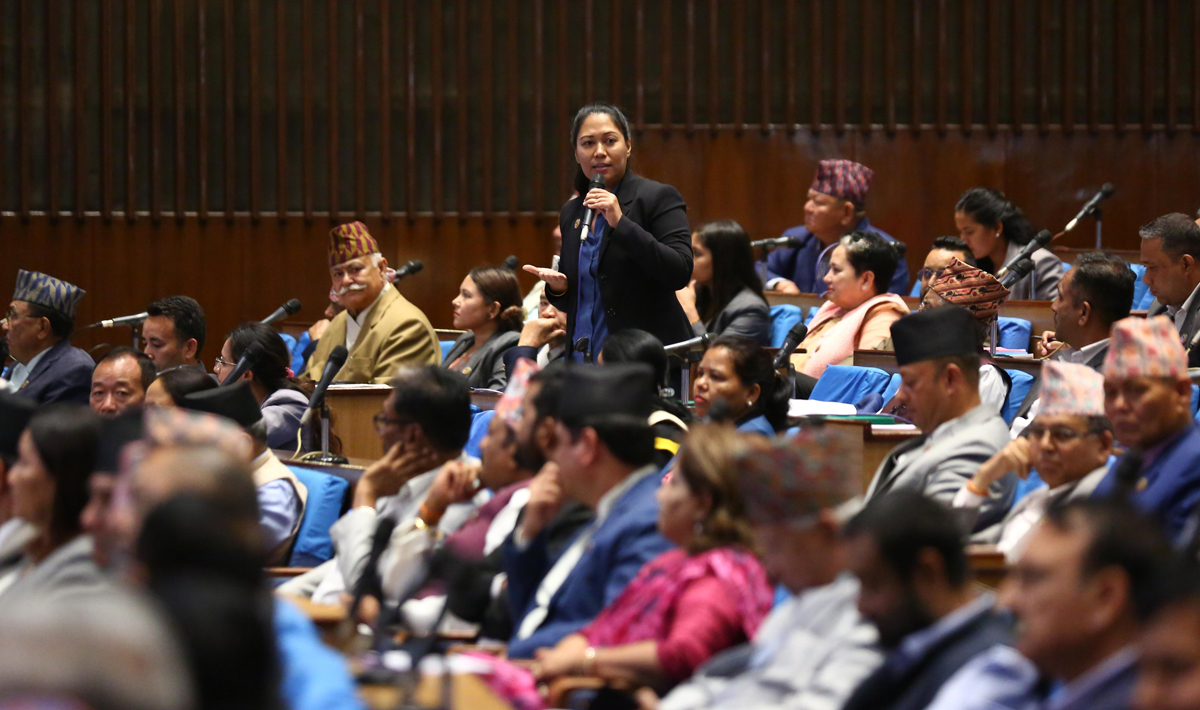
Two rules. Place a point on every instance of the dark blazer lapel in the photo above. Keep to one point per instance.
(47, 360)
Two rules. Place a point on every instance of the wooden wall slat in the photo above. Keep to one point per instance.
(867, 96)
(410, 111)
(889, 66)
(915, 78)
(1196, 70)
(1018, 93)
(487, 145)
(1148, 82)
(589, 51)
(1093, 79)
(639, 69)
(1120, 97)
(180, 101)
(1043, 66)
(714, 112)
(154, 58)
(839, 67)
(331, 102)
(202, 110)
(1068, 67)
(615, 30)
(461, 90)
(229, 137)
(789, 65)
(814, 68)
(665, 82)
(690, 69)
(282, 185)
(360, 112)
(993, 62)
(966, 81)
(940, 88)
(385, 110)
(307, 155)
(53, 124)
(539, 106)
(106, 105)
(1171, 49)
(562, 104)
(79, 110)
(739, 71)
(255, 111)
(130, 110)
(513, 64)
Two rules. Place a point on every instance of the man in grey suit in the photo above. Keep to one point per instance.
(1094, 294)
(938, 356)
(1171, 252)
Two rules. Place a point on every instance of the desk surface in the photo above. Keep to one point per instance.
(886, 360)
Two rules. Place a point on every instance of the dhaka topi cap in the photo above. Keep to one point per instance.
(55, 294)
(234, 402)
(937, 332)
(1068, 389)
(350, 241)
(618, 393)
(843, 178)
(961, 284)
(786, 480)
(1145, 347)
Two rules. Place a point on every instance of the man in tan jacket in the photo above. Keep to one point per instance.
(380, 328)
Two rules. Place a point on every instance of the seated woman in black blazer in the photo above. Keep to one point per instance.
(637, 254)
(726, 293)
(488, 307)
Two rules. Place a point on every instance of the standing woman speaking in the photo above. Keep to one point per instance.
(638, 252)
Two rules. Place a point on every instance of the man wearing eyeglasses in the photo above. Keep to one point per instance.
(941, 255)
(38, 327)
(1068, 443)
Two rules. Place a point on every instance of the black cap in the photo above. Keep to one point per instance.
(234, 402)
(616, 393)
(934, 333)
(115, 433)
(15, 413)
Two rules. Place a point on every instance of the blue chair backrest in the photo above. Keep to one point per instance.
(892, 388)
(1141, 291)
(297, 352)
(849, 384)
(916, 289)
(447, 346)
(1195, 399)
(326, 493)
(812, 313)
(1021, 382)
(479, 426)
(1015, 333)
(783, 317)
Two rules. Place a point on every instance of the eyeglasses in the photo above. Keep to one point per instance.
(925, 275)
(1058, 434)
(382, 420)
(222, 362)
(11, 314)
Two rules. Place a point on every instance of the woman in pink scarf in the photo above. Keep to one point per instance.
(687, 604)
(857, 315)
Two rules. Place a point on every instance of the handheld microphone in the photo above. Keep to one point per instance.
(412, 267)
(589, 214)
(1105, 192)
(337, 359)
(135, 319)
(794, 337)
(776, 242)
(684, 345)
(900, 247)
(368, 580)
(1019, 270)
(290, 308)
(246, 363)
(581, 346)
(1042, 239)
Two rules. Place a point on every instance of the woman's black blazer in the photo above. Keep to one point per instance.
(643, 261)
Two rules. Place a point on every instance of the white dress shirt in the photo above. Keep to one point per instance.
(20, 372)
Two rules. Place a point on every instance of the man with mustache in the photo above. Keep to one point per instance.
(380, 328)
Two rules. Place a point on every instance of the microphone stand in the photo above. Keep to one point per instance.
(1099, 225)
(323, 456)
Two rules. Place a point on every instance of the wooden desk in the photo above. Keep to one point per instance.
(886, 360)
(988, 564)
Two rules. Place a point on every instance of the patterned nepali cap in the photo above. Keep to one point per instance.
(512, 404)
(350, 241)
(843, 178)
(972, 288)
(173, 426)
(1145, 347)
(788, 480)
(1070, 389)
(36, 287)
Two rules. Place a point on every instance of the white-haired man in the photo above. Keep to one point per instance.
(382, 330)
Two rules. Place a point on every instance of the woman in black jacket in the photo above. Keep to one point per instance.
(638, 252)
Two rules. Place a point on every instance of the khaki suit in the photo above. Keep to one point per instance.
(396, 334)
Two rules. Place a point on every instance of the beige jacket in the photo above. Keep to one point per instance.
(396, 334)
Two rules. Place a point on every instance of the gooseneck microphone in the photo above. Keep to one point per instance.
(1042, 239)
(1092, 205)
(1019, 270)
(290, 308)
(337, 359)
(690, 343)
(776, 242)
(794, 337)
(408, 269)
(589, 214)
(136, 319)
(245, 363)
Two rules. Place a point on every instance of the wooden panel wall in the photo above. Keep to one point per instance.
(206, 146)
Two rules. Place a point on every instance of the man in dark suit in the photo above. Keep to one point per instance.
(1095, 293)
(38, 327)
(836, 206)
(907, 553)
(1170, 249)
(603, 453)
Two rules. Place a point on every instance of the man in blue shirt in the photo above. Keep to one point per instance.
(835, 207)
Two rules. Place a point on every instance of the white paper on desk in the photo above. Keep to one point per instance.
(817, 408)
(910, 428)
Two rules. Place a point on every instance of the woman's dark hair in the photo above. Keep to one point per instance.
(732, 267)
(66, 437)
(753, 366)
(272, 369)
(992, 209)
(706, 463)
(499, 285)
(867, 251)
(618, 118)
(633, 345)
(179, 382)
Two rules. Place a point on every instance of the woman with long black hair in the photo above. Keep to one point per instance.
(726, 293)
(996, 230)
(638, 252)
(272, 381)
